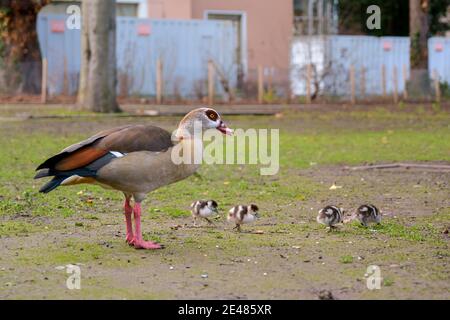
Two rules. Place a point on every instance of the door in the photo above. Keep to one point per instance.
(236, 20)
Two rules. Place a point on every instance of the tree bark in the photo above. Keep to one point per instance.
(419, 83)
(418, 32)
(20, 57)
(85, 56)
(97, 87)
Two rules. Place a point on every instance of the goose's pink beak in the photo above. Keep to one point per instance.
(224, 129)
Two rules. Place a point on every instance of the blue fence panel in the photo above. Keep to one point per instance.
(363, 52)
(439, 58)
(370, 53)
(184, 47)
(61, 47)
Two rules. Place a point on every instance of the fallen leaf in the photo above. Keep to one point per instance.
(334, 186)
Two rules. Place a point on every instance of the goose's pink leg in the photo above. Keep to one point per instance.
(128, 210)
(138, 242)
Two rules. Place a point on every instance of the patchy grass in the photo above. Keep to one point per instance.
(169, 211)
(291, 256)
(18, 228)
(346, 259)
(352, 147)
(394, 230)
(387, 282)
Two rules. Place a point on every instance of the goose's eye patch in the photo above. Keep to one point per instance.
(212, 115)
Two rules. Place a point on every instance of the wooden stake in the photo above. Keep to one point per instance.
(352, 84)
(383, 80)
(65, 79)
(210, 83)
(260, 84)
(405, 80)
(270, 81)
(363, 82)
(394, 79)
(44, 81)
(159, 81)
(437, 87)
(308, 82)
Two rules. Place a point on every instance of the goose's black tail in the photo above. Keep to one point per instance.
(59, 176)
(52, 184)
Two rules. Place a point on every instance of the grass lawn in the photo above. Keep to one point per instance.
(292, 257)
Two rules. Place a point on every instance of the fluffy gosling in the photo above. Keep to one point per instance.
(203, 209)
(242, 214)
(330, 216)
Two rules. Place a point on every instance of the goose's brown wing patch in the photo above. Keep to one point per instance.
(79, 158)
(122, 139)
(137, 138)
(93, 139)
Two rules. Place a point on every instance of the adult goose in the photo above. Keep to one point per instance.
(133, 159)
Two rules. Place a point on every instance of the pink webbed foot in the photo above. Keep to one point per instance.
(149, 245)
(130, 239)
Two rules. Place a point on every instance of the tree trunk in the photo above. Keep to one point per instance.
(20, 57)
(419, 83)
(418, 32)
(97, 88)
(85, 56)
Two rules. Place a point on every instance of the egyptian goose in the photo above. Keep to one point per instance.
(368, 213)
(133, 159)
(330, 216)
(203, 209)
(243, 214)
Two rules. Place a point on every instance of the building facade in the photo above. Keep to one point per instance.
(264, 26)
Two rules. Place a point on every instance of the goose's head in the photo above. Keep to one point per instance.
(202, 119)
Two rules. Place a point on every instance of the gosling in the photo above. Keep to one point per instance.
(367, 214)
(330, 216)
(203, 209)
(243, 214)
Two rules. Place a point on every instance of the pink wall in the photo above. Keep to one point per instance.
(170, 9)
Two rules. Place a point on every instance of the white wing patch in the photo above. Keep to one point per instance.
(117, 154)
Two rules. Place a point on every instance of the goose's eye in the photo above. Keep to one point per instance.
(212, 115)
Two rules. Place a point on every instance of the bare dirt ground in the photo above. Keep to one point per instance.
(290, 256)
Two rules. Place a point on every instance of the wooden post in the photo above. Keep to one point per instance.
(159, 81)
(394, 79)
(44, 81)
(308, 82)
(363, 82)
(270, 81)
(352, 84)
(437, 86)
(405, 80)
(383, 80)
(260, 84)
(210, 82)
(65, 79)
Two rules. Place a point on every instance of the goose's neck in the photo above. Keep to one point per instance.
(189, 130)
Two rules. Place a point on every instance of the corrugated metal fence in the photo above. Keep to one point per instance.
(332, 57)
(439, 58)
(184, 46)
